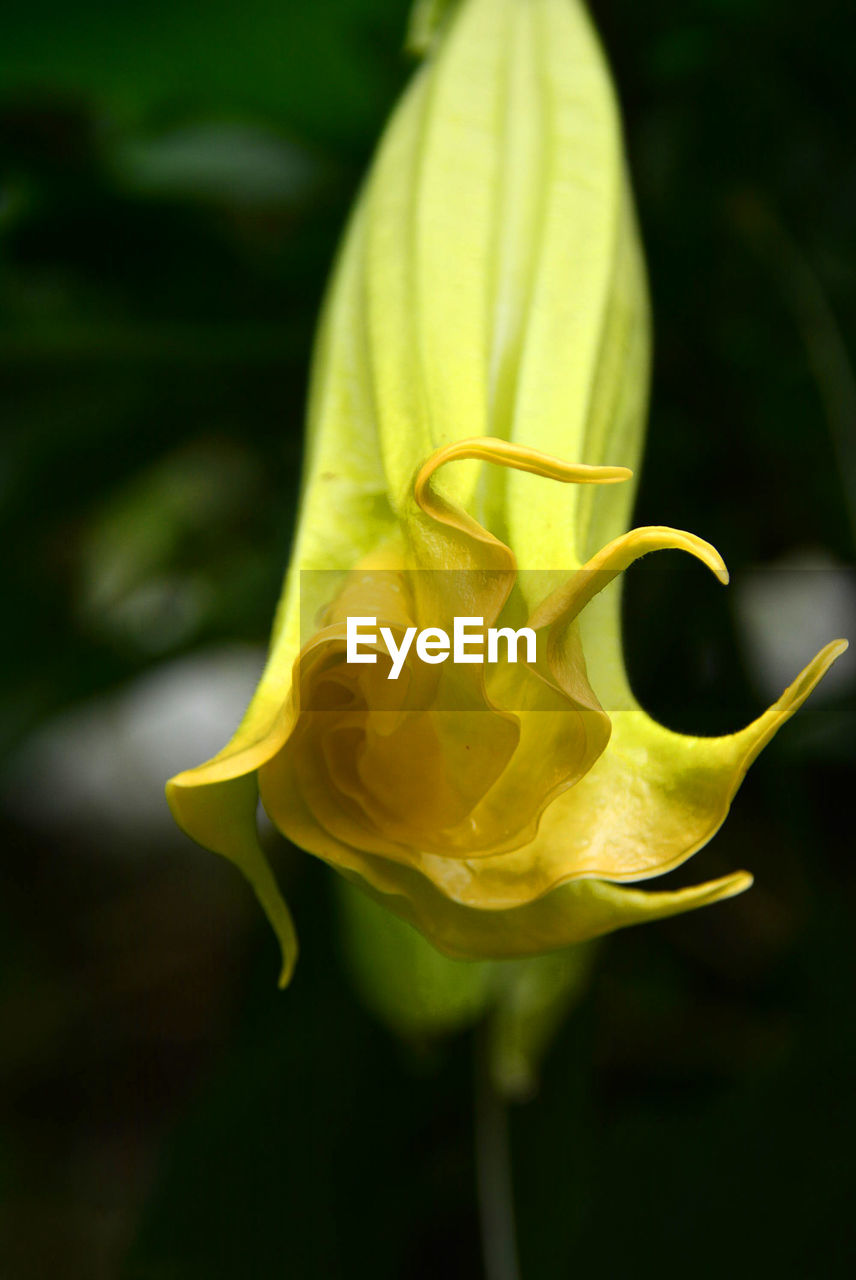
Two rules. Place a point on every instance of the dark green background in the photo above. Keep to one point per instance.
(166, 1113)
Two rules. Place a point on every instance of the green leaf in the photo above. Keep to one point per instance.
(401, 978)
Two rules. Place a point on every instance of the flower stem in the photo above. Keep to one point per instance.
(493, 1172)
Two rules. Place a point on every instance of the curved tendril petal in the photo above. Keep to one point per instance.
(565, 603)
(506, 453)
(756, 735)
(503, 453)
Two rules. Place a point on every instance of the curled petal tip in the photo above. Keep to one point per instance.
(617, 556)
(615, 475)
(811, 675)
(739, 882)
(585, 473)
(757, 734)
(287, 972)
(715, 563)
(706, 553)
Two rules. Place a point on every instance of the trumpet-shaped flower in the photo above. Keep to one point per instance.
(477, 406)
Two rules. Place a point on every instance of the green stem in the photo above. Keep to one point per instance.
(493, 1172)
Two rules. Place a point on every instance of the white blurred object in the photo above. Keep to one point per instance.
(786, 612)
(100, 769)
(242, 164)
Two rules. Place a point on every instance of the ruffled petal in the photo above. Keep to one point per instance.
(652, 800)
(575, 912)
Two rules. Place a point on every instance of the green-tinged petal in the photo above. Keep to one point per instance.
(502, 164)
(504, 290)
(581, 374)
(222, 817)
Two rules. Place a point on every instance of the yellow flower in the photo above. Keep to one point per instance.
(478, 399)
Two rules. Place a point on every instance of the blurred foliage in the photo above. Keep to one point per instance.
(173, 181)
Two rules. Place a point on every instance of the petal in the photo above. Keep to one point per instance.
(462, 778)
(443, 536)
(575, 912)
(503, 159)
(222, 817)
(459, 783)
(517, 457)
(652, 800)
(504, 291)
(617, 556)
(591, 595)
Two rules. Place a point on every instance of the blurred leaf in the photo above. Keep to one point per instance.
(417, 992)
(401, 978)
(533, 999)
(156, 58)
(143, 579)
